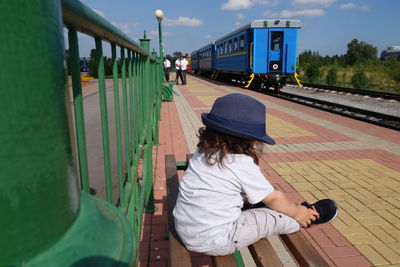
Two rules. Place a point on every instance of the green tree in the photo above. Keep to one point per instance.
(360, 80)
(331, 77)
(92, 63)
(360, 52)
(313, 73)
(393, 69)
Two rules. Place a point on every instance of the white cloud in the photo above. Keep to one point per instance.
(101, 13)
(183, 21)
(237, 5)
(127, 28)
(302, 13)
(270, 14)
(240, 16)
(314, 2)
(246, 4)
(354, 6)
(207, 36)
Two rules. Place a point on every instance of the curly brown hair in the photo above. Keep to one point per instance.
(216, 143)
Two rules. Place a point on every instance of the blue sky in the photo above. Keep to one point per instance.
(328, 25)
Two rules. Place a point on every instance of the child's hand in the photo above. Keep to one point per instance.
(305, 216)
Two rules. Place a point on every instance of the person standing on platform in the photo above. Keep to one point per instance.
(167, 67)
(184, 64)
(178, 70)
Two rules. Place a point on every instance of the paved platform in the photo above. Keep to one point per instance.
(317, 155)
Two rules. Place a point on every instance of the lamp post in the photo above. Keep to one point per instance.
(159, 16)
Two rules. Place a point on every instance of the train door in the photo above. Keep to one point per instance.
(275, 55)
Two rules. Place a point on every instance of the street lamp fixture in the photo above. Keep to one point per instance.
(159, 14)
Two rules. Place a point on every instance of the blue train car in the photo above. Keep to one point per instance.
(262, 54)
(195, 61)
(206, 56)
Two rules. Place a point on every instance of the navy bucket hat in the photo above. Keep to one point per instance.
(238, 115)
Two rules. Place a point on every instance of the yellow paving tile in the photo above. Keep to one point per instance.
(373, 255)
(347, 219)
(202, 90)
(303, 186)
(368, 195)
(393, 201)
(281, 128)
(354, 230)
(388, 216)
(358, 239)
(391, 230)
(309, 197)
(357, 204)
(387, 252)
(339, 224)
(379, 233)
(207, 100)
(395, 212)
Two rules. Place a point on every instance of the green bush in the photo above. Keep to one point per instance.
(360, 80)
(313, 73)
(331, 77)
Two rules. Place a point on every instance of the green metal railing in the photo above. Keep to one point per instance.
(48, 222)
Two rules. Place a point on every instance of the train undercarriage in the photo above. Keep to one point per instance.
(257, 82)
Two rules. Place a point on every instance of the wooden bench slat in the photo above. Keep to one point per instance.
(264, 254)
(303, 251)
(224, 261)
(179, 255)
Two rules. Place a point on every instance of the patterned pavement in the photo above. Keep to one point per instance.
(317, 155)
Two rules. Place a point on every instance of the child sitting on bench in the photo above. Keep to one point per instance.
(209, 215)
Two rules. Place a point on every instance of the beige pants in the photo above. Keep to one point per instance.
(254, 224)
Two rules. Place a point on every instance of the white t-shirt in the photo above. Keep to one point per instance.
(210, 199)
(184, 64)
(177, 64)
(167, 63)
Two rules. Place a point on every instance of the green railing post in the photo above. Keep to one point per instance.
(78, 108)
(148, 117)
(117, 123)
(104, 118)
(44, 220)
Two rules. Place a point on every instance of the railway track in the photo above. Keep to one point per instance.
(377, 118)
(384, 120)
(353, 91)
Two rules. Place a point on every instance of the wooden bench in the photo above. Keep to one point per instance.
(262, 252)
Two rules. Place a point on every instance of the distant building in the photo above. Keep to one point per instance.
(391, 52)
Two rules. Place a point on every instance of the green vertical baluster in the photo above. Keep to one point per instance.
(131, 105)
(126, 116)
(147, 194)
(78, 108)
(117, 122)
(104, 118)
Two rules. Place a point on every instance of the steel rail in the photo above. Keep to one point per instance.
(376, 118)
(354, 91)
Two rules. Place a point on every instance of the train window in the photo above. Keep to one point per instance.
(235, 45)
(230, 46)
(276, 40)
(241, 42)
(225, 48)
